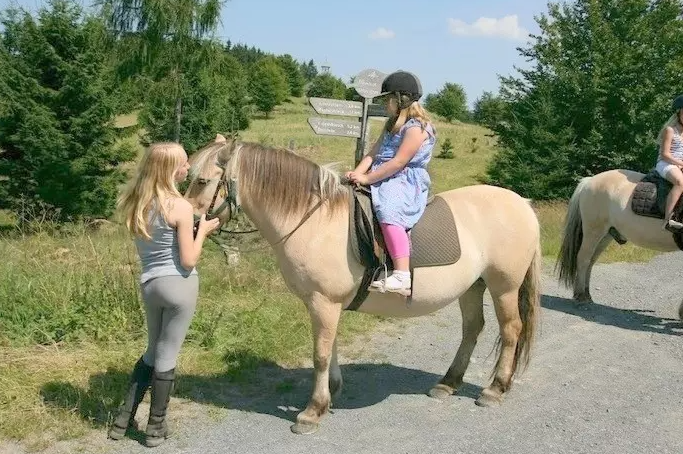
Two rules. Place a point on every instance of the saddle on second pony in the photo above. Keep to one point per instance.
(433, 240)
(649, 197)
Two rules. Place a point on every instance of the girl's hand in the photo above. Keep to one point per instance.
(207, 227)
(360, 178)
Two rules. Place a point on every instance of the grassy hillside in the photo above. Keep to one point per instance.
(71, 324)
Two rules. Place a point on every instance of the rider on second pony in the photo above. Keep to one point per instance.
(670, 160)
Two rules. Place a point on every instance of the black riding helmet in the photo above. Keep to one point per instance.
(677, 103)
(402, 83)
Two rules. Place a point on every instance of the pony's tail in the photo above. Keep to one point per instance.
(566, 264)
(529, 306)
(529, 310)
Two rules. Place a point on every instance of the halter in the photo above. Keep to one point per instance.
(226, 182)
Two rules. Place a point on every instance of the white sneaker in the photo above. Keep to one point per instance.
(398, 282)
(673, 225)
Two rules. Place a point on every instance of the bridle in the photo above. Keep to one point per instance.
(229, 185)
(230, 201)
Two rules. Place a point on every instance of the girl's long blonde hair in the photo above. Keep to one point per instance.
(673, 122)
(414, 110)
(152, 185)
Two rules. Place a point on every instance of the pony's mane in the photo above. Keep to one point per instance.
(277, 179)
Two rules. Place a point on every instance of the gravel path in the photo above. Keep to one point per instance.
(606, 379)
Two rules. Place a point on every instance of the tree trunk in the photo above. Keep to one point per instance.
(178, 116)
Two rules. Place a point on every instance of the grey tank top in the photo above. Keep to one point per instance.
(160, 256)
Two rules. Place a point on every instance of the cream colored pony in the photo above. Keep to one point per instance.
(600, 211)
(301, 209)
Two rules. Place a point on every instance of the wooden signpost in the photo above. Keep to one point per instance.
(367, 84)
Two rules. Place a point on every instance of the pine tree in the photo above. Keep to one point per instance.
(165, 42)
(268, 85)
(450, 102)
(294, 77)
(327, 86)
(56, 115)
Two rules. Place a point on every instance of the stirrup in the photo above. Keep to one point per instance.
(673, 226)
(375, 284)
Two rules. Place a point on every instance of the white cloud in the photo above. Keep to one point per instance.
(382, 33)
(506, 27)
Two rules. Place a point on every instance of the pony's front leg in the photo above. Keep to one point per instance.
(325, 318)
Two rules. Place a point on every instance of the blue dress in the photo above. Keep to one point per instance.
(401, 198)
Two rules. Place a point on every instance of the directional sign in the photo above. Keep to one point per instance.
(325, 106)
(377, 110)
(334, 127)
(368, 83)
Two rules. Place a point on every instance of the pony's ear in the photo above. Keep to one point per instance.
(220, 139)
(225, 150)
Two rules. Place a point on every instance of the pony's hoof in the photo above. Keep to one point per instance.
(680, 311)
(489, 399)
(583, 299)
(440, 392)
(304, 428)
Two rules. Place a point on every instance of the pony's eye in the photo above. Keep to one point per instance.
(202, 181)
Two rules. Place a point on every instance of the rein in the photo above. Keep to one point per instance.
(308, 214)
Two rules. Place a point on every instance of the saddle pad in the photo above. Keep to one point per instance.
(434, 239)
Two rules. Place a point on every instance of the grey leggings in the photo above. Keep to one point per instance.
(170, 302)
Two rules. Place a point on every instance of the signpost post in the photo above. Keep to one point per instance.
(367, 84)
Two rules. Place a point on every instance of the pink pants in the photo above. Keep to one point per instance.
(396, 239)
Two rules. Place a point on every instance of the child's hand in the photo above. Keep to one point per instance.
(359, 178)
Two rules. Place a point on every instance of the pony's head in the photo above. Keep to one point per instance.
(212, 188)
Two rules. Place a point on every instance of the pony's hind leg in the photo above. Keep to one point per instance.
(595, 240)
(599, 249)
(472, 309)
(505, 301)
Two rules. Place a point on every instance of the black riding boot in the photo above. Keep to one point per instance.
(157, 427)
(140, 380)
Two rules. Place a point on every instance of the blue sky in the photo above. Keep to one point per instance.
(466, 42)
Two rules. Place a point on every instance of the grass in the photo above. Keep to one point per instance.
(72, 325)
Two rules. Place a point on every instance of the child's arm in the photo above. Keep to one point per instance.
(412, 140)
(365, 163)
